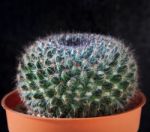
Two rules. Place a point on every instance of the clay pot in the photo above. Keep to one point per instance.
(128, 121)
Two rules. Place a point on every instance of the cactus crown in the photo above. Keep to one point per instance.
(76, 75)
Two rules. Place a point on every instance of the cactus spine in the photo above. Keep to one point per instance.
(76, 75)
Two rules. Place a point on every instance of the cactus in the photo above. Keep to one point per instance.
(76, 75)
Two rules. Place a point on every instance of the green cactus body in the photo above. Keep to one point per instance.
(76, 75)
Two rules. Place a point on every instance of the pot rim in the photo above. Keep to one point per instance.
(5, 107)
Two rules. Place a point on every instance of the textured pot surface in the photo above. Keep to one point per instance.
(125, 122)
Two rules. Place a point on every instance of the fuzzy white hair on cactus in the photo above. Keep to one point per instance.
(77, 75)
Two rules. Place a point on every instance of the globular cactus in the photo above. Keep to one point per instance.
(76, 75)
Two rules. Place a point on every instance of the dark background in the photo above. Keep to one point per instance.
(23, 21)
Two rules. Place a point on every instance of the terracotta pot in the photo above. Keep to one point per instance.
(18, 122)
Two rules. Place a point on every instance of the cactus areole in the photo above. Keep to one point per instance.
(76, 75)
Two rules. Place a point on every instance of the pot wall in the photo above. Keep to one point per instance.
(17, 122)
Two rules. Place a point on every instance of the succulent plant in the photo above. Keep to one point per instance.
(76, 75)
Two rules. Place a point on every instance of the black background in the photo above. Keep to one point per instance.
(23, 21)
